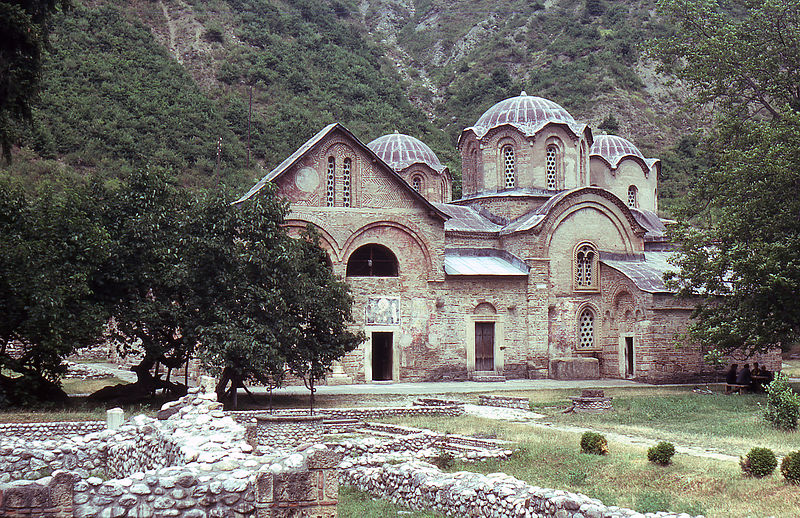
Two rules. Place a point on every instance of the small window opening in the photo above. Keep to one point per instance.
(584, 266)
(633, 197)
(586, 329)
(416, 183)
(346, 168)
(552, 168)
(509, 167)
(331, 181)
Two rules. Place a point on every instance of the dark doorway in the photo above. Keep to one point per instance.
(484, 346)
(381, 356)
(629, 373)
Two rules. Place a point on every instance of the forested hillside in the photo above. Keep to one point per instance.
(146, 82)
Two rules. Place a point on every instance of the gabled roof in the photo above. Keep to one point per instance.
(306, 148)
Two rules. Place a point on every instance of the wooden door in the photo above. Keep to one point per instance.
(484, 346)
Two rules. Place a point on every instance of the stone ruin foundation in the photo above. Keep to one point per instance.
(591, 400)
(197, 462)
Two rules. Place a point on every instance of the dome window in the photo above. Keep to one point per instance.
(552, 167)
(633, 197)
(586, 329)
(416, 183)
(331, 193)
(509, 164)
(372, 261)
(585, 267)
(346, 169)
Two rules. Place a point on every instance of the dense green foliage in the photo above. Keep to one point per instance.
(661, 453)
(111, 93)
(50, 246)
(23, 37)
(783, 403)
(594, 443)
(790, 467)
(759, 462)
(745, 59)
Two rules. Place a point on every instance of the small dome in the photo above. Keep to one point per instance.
(401, 151)
(613, 148)
(525, 112)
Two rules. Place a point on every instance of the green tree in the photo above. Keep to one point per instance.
(743, 57)
(50, 245)
(23, 37)
(282, 310)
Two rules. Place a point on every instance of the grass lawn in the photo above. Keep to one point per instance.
(791, 368)
(357, 504)
(552, 458)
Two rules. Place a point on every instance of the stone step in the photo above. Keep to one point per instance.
(487, 376)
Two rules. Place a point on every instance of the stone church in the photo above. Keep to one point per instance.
(549, 265)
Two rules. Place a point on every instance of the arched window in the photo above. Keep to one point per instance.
(346, 168)
(552, 167)
(583, 164)
(633, 197)
(331, 193)
(416, 183)
(372, 261)
(585, 267)
(509, 167)
(586, 329)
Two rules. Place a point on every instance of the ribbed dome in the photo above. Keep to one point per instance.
(401, 151)
(613, 148)
(525, 112)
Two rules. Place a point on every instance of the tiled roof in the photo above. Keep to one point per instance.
(647, 274)
(527, 113)
(483, 262)
(613, 149)
(401, 151)
(466, 219)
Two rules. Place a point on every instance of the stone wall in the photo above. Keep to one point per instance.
(521, 403)
(34, 431)
(246, 416)
(421, 486)
(194, 464)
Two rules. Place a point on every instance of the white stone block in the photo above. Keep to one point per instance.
(114, 418)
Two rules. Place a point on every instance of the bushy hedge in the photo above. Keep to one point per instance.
(790, 467)
(760, 462)
(594, 443)
(783, 404)
(661, 453)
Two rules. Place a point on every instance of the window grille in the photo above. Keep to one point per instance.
(509, 167)
(586, 329)
(346, 168)
(416, 183)
(584, 266)
(632, 197)
(331, 181)
(552, 169)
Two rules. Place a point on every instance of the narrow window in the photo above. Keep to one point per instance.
(552, 167)
(586, 329)
(331, 181)
(346, 168)
(633, 193)
(509, 167)
(584, 266)
(372, 261)
(416, 183)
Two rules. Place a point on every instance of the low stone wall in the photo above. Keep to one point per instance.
(194, 464)
(520, 403)
(288, 431)
(246, 416)
(423, 487)
(42, 431)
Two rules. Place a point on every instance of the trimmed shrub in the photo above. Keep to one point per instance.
(661, 453)
(790, 467)
(760, 462)
(594, 443)
(783, 403)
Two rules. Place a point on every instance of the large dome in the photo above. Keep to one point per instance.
(526, 113)
(401, 151)
(613, 148)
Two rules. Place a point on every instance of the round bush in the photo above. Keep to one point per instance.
(760, 462)
(783, 403)
(661, 453)
(790, 467)
(594, 443)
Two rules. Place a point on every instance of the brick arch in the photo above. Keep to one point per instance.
(618, 219)
(354, 241)
(327, 241)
